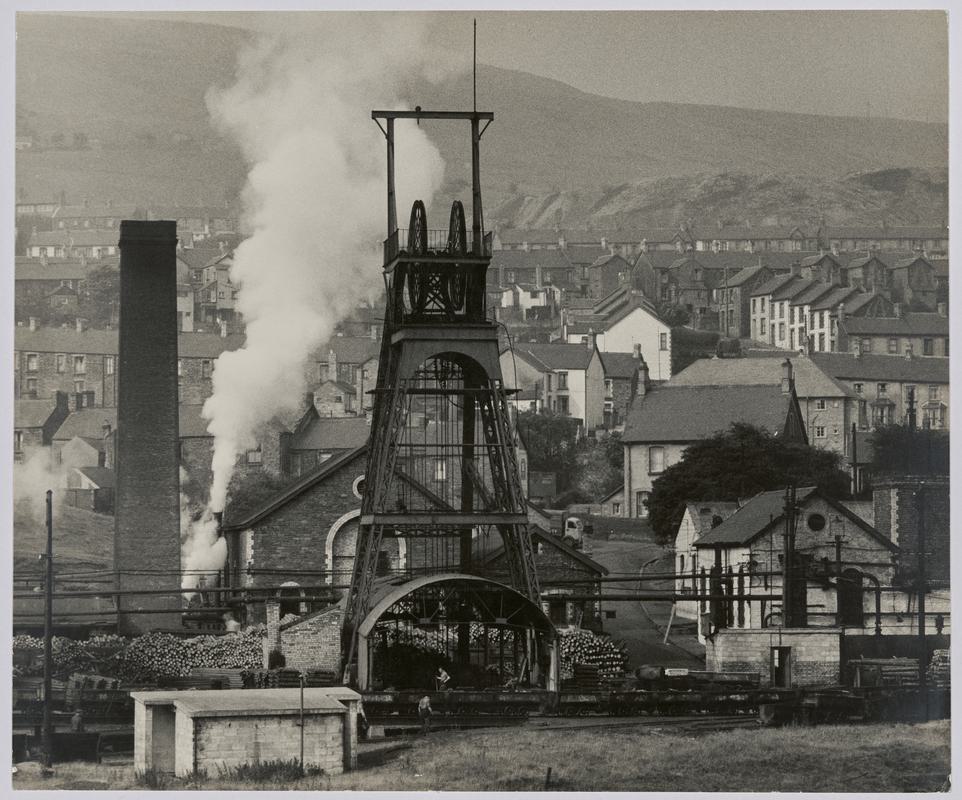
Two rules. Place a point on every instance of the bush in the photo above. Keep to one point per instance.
(269, 772)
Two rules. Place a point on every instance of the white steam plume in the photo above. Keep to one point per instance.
(31, 480)
(202, 550)
(314, 205)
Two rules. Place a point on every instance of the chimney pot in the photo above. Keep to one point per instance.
(942, 309)
(788, 379)
(898, 310)
(80, 325)
(33, 323)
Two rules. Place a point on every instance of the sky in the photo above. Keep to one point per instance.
(851, 63)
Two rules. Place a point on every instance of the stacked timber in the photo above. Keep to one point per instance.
(586, 678)
(895, 672)
(939, 673)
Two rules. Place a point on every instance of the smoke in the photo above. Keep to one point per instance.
(202, 550)
(314, 205)
(31, 480)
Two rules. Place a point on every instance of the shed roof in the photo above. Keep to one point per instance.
(256, 702)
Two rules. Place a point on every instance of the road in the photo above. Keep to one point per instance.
(636, 628)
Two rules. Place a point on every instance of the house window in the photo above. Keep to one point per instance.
(819, 431)
(866, 345)
(933, 394)
(205, 367)
(61, 362)
(562, 380)
(859, 388)
(781, 311)
(33, 362)
(762, 305)
(821, 342)
(79, 386)
(754, 299)
(616, 509)
(509, 275)
(80, 365)
(656, 460)
(562, 406)
(882, 388)
(32, 387)
(254, 456)
(820, 404)
(928, 347)
(945, 347)
(609, 387)
(17, 441)
(440, 470)
(761, 327)
(548, 378)
(893, 346)
(663, 341)
(781, 331)
(180, 368)
(109, 365)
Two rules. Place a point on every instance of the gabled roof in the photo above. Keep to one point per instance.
(811, 261)
(75, 237)
(547, 259)
(861, 261)
(533, 236)
(856, 302)
(62, 290)
(908, 262)
(556, 355)
(810, 380)
(342, 385)
(101, 342)
(689, 413)
(739, 232)
(602, 260)
(703, 512)
(88, 423)
(32, 413)
(873, 367)
(30, 269)
(619, 365)
(197, 257)
(765, 511)
(912, 323)
(585, 255)
(773, 285)
(298, 487)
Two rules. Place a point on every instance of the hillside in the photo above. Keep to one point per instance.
(135, 90)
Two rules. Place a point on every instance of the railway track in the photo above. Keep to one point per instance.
(690, 724)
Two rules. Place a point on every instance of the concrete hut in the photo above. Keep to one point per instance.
(194, 731)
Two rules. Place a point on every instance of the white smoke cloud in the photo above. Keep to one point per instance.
(202, 550)
(31, 480)
(314, 205)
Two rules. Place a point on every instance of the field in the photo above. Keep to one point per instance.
(870, 758)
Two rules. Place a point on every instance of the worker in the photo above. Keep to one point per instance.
(424, 712)
(362, 724)
(442, 678)
(77, 721)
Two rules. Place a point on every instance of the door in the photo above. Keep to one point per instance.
(782, 667)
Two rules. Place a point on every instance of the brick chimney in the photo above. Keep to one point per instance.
(537, 276)
(591, 339)
(147, 513)
(33, 323)
(943, 309)
(331, 364)
(81, 325)
(641, 373)
(898, 310)
(788, 376)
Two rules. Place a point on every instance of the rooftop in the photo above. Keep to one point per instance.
(620, 365)
(810, 380)
(762, 511)
(869, 366)
(333, 433)
(912, 323)
(689, 413)
(32, 413)
(555, 355)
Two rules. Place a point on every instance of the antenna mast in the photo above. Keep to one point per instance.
(475, 83)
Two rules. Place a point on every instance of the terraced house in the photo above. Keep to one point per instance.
(905, 333)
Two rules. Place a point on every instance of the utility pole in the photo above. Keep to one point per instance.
(923, 659)
(47, 730)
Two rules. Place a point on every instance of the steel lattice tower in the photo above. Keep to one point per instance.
(441, 470)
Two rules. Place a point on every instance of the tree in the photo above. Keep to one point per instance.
(101, 296)
(551, 440)
(900, 450)
(738, 464)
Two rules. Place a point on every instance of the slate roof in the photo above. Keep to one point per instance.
(88, 423)
(737, 232)
(555, 355)
(908, 262)
(32, 413)
(792, 289)
(30, 269)
(812, 293)
(857, 301)
(554, 259)
(298, 487)
(743, 275)
(689, 413)
(912, 323)
(78, 237)
(602, 260)
(540, 535)
(810, 380)
(342, 385)
(875, 367)
(830, 301)
(619, 365)
(773, 285)
(333, 433)
(103, 477)
(721, 508)
(197, 257)
(583, 256)
(811, 261)
(762, 511)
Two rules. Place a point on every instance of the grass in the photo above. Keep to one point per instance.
(866, 758)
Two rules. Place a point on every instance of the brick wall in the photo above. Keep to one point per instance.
(621, 394)
(194, 379)
(223, 742)
(184, 734)
(815, 653)
(897, 516)
(58, 374)
(314, 642)
(147, 511)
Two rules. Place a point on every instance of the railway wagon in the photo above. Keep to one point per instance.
(457, 702)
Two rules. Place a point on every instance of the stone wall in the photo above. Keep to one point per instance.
(897, 516)
(223, 742)
(815, 653)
